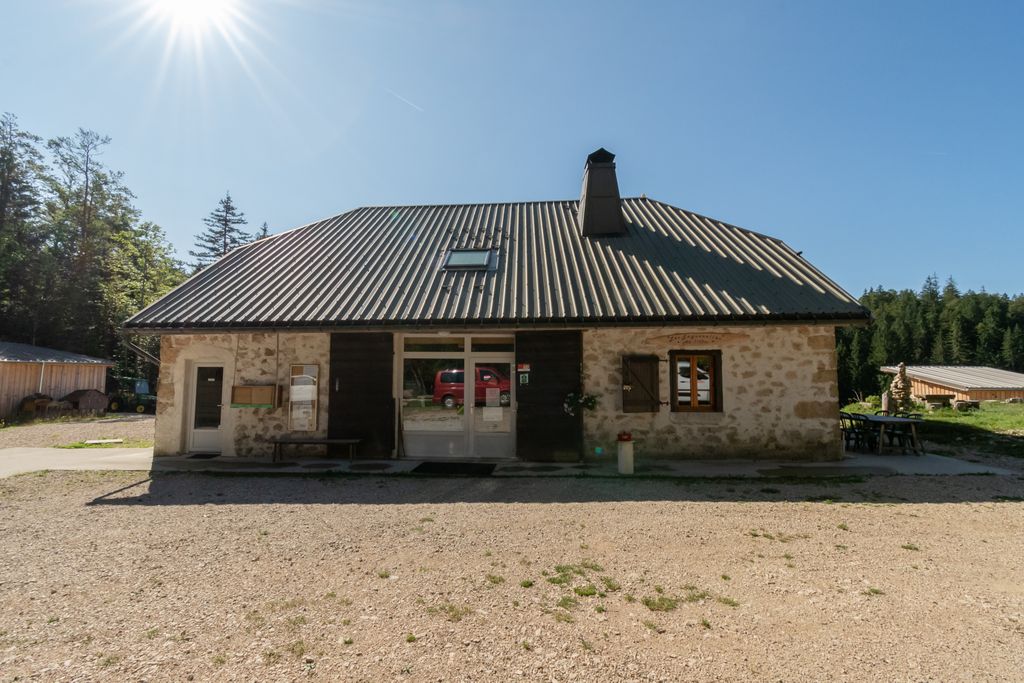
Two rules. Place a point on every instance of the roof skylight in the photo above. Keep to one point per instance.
(468, 259)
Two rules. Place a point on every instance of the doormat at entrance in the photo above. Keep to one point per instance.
(459, 469)
(203, 456)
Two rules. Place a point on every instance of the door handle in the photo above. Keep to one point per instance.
(337, 382)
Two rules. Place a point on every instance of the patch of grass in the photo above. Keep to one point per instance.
(330, 595)
(109, 661)
(451, 611)
(840, 546)
(564, 617)
(629, 597)
(526, 583)
(126, 443)
(526, 645)
(219, 660)
(871, 590)
(297, 649)
(151, 633)
(694, 595)
(842, 526)
(567, 602)
(993, 428)
(600, 609)
(494, 579)
(271, 657)
(662, 603)
(347, 641)
(586, 591)
(654, 627)
(726, 577)
(725, 600)
(909, 546)
(296, 621)
(659, 589)
(384, 574)
(53, 620)
(586, 645)
(705, 623)
(560, 579)
(426, 520)
(410, 638)
(610, 584)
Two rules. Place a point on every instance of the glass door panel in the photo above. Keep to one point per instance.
(493, 410)
(433, 407)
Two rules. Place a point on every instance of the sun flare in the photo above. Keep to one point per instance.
(196, 16)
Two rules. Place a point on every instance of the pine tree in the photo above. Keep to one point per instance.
(264, 232)
(1013, 348)
(224, 233)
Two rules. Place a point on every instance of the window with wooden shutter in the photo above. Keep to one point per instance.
(640, 389)
(696, 381)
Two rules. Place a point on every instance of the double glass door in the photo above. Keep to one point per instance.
(458, 397)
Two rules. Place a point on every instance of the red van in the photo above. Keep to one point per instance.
(449, 386)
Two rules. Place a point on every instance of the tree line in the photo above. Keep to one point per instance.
(933, 326)
(76, 255)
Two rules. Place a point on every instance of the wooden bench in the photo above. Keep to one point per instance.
(313, 441)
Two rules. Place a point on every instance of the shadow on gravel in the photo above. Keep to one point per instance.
(319, 489)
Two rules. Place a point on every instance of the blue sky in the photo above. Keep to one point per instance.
(884, 139)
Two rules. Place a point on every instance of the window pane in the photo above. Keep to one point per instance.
(470, 258)
(433, 394)
(494, 344)
(456, 344)
(705, 370)
(683, 372)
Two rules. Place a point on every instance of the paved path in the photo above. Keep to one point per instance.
(20, 460)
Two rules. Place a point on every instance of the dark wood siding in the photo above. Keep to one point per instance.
(361, 404)
(543, 430)
(640, 386)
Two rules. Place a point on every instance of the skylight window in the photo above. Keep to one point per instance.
(468, 259)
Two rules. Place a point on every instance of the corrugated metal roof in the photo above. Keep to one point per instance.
(964, 377)
(381, 266)
(11, 352)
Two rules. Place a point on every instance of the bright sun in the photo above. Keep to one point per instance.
(197, 16)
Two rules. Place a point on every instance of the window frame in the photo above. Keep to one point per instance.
(714, 386)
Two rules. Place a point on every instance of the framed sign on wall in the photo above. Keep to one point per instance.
(302, 397)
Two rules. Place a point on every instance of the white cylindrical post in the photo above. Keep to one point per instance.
(625, 457)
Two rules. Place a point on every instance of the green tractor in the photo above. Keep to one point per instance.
(131, 394)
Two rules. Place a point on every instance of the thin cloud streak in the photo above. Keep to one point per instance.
(397, 96)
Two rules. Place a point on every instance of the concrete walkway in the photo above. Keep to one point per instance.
(20, 460)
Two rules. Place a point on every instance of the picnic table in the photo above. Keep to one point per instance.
(907, 424)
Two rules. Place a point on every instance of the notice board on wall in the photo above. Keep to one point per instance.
(302, 397)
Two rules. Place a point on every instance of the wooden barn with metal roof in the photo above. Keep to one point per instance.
(963, 382)
(531, 330)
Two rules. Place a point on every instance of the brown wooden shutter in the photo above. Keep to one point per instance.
(360, 399)
(640, 389)
(543, 429)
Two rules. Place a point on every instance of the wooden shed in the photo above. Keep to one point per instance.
(963, 382)
(26, 370)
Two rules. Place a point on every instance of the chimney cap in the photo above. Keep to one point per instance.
(600, 156)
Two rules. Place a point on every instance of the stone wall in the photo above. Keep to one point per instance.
(779, 393)
(260, 358)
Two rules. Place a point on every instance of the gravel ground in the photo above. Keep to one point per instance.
(111, 576)
(63, 432)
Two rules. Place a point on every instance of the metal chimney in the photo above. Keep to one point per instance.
(600, 205)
